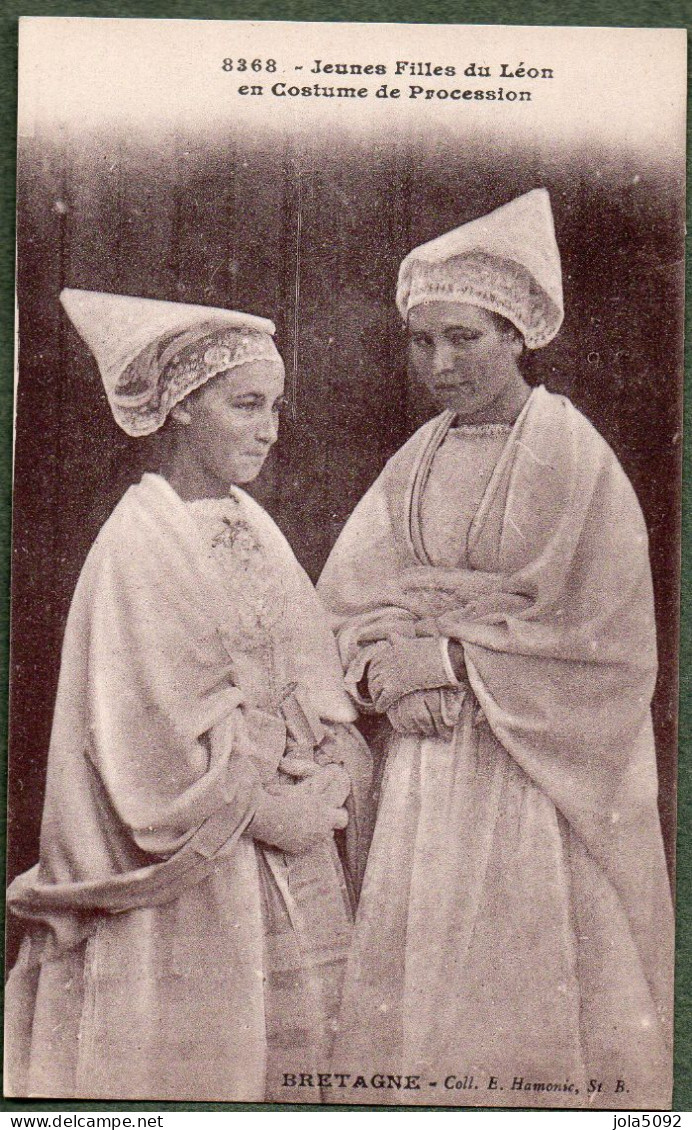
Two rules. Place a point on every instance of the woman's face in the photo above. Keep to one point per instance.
(231, 423)
(466, 359)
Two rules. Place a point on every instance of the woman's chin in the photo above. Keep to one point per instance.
(247, 471)
(464, 405)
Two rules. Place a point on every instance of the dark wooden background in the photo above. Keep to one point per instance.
(215, 220)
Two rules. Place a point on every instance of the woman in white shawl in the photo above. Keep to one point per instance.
(493, 597)
(188, 919)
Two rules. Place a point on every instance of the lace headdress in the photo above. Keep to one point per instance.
(151, 354)
(507, 262)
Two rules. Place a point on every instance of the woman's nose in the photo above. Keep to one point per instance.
(443, 357)
(268, 428)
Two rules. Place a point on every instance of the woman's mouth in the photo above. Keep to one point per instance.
(454, 386)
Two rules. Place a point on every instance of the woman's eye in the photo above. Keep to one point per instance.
(461, 337)
(420, 340)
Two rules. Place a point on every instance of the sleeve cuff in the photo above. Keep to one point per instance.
(353, 677)
(447, 663)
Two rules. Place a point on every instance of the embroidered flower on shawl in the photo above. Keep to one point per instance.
(257, 598)
(239, 537)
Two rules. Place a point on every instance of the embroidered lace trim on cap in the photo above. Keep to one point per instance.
(176, 364)
(501, 285)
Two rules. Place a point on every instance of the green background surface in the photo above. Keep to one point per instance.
(605, 13)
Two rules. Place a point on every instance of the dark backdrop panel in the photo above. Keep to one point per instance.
(216, 221)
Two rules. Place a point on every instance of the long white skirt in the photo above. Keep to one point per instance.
(492, 958)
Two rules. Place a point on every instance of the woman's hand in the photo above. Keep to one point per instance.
(331, 782)
(419, 714)
(405, 664)
(299, 816)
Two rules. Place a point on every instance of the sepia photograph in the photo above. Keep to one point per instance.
(345, 564)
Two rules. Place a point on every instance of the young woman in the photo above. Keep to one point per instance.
(494, 605)
(188, 921)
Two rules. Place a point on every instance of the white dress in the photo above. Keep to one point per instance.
(514, 934)
(168, 955)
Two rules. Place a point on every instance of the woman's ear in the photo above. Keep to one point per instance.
(517, 344)
(181, 414)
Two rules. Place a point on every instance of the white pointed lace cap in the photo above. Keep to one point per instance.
(136, 340)
(507, 262)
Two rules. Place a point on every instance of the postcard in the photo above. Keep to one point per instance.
(346, 563)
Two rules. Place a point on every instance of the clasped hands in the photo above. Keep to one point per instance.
(406, 677)
(303, 805)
